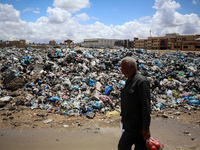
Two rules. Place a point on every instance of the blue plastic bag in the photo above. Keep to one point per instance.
(53, 99)
(96, 105)
(108, 89)
(89, 109)
(193, 102)
(76, 87)
(92, 82)
(160, 105)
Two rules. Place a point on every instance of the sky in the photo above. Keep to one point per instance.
(40, 21)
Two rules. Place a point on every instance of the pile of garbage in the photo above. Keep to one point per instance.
(76, 82)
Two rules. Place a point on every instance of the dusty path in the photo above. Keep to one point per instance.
(98, 137)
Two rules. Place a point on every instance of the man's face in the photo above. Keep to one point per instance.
(127, 71)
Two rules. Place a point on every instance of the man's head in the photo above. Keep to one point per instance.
(128, 66)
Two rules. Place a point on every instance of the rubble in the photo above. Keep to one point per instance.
(84, 82)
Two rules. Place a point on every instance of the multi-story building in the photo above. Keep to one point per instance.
(140, 43)
(23, 42)
(99, 43)
(18, 43)
(149, 43)
(188, 42)
(52, 43)
(193, 45)
(105, 43)
(172, 41)
(159, 43)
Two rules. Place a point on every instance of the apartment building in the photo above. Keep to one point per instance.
(186, 43)
(193, 45)
(52, 43)
(172, 41)
(140, 43)
(23, 42)
(20, 42)
(99, 43)
(106, 43)
(159, 43)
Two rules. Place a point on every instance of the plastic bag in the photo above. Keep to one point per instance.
(154, 144)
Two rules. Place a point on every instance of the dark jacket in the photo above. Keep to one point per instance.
(135, 104)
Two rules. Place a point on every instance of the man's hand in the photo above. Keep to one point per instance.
(146, 134)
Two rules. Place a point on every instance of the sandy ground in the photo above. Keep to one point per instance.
(27, 131)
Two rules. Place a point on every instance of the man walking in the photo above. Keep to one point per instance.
(135, 107)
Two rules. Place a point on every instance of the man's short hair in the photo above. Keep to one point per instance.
(130, 61)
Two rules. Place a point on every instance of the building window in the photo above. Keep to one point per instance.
(185, 46)
(162, 42)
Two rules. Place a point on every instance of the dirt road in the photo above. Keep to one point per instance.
(97, 136)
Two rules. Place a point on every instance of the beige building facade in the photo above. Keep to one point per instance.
(172, 41)
(20, 42)
(52, 43)
(140, 43)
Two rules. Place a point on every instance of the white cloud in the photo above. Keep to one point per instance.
(194, 2)
(72, 5)
(59, 24)
(58, 15)
(82, 17)
(31, 9)
(191, 25)
(166, 14)
(36, 11)
(42, 20)
(28, 9)
(162, 4)
(168, 20)
(95, 18)
(146, 18)
(8, 13)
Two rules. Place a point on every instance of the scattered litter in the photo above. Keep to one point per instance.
(48, 121)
